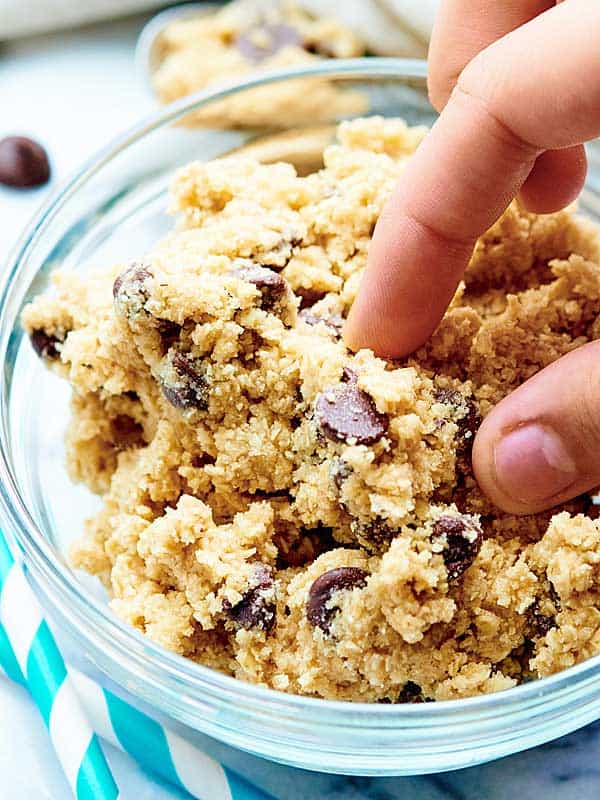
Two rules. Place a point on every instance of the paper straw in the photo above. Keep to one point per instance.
(38, 660)
(160, 750)
(155, 747)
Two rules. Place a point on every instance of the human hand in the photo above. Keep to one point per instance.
(518, 86)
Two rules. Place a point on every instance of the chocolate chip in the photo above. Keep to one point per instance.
(411, 693)
(273, 288)
(374, 535)
(202, 460)
(308, 297)
(541, 623)
(183, 381)
(46, 345)
(263, 41)
(466, 416)
(333, 321)
(460, 537)
(319, 610)
(130, 292)
(259, 494)
(23, 162)
(523, 654)
(257, 608)
(346, 413)
(554, 596)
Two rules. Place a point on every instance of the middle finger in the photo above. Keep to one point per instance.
(463, 28)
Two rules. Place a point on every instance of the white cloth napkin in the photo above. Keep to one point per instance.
(390, 27)
(24, 17)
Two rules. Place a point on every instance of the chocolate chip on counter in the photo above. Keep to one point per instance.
(460, 537)
(257, 607)
(273, 288)
(333, 321)
(46, 345)
(183, 381)
(263, 41)
(23, 163)
(345, 413)
(466, 416)
(308, 297)
(319, 611)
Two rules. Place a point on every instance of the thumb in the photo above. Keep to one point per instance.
(540, 445)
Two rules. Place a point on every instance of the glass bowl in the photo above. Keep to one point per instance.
(113, 209)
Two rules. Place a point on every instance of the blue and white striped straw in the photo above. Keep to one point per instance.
(38, 660)
(155, 747)
(159, 750)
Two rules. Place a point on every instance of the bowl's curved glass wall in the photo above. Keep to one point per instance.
(114, 209)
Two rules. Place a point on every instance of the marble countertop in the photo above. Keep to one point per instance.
(73, 92)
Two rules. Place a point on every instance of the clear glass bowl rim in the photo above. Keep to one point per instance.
(113, 642)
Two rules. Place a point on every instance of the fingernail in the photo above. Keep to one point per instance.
(532, 464)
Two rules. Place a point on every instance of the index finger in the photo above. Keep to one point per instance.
(508, 107)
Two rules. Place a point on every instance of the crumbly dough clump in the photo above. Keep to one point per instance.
(249, 37)
(296, 515)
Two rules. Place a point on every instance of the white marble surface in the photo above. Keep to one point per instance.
(73, 92)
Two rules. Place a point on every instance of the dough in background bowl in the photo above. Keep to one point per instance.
(248, 37)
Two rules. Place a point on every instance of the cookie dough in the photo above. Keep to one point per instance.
(249, 37)
(296, 515)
